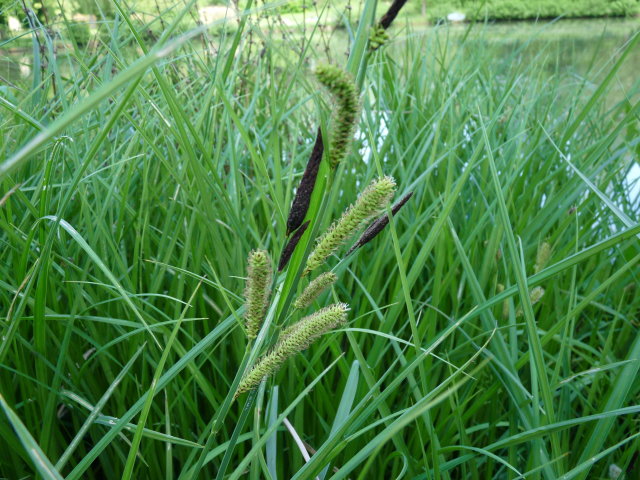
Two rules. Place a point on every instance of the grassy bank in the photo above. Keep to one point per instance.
(493, 329)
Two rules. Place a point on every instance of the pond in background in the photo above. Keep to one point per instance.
(586, 48)
(578, 49)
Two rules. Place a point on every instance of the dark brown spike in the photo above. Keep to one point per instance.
(291, 246)
(388, 18)
(378, 224)
(302, 199)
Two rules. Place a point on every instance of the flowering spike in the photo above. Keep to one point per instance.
(302, 199)
(315, 288)
(370, 202)
(257, 290)
(341, 85)
(292, 341)
(378, 225)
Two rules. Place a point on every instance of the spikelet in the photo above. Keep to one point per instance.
(378, 225)
(370, 202)
(292, 341)
(257, 290)
(542, 257)
(536, 294)
(342, 87)
(315, 288)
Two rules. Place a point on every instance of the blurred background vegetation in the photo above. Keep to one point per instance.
(430, 10)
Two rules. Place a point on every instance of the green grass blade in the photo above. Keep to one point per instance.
(40, 461)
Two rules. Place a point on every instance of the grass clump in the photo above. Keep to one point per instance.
(134, 185)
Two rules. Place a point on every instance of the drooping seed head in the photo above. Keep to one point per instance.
(343, 88)
(314, 289)
(257, 290)
(293, 340)
(370, 202)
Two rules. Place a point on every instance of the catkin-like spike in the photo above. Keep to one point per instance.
(341, 85)
(257, 290)
(534, 296)
(291, 246)
(542, 257)
(378, 225)
(370, 202)
(297, 338)
(302, 199)
(315, 288)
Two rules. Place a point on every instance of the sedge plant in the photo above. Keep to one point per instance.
(372, 202)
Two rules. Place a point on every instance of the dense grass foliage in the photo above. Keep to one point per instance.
(136, 179)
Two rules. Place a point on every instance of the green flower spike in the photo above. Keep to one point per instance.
(315, 288)
(542, 257)
(292, 341)
(341, 85)
(257, 290)
(370, 202)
